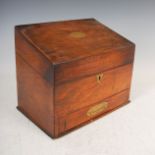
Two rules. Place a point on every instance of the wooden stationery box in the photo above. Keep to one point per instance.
(71, 72)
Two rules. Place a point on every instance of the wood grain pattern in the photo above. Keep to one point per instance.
(57, 67)
(55, 41)
(94, 64)
(86, 91)
(34, 96)
(76, 118)
(34, 58)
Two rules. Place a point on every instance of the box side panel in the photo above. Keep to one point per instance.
(32, 56)
(34, 85)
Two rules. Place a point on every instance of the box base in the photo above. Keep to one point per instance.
(72, 129)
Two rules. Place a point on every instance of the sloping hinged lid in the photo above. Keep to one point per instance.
(71, 40)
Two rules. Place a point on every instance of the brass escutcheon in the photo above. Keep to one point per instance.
(97, 109)
(99, 77)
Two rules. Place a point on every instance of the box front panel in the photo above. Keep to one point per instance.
(77, 94)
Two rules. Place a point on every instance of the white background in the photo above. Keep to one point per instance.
(127, 131)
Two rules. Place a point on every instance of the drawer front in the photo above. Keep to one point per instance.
(80, 93)
(91, 112)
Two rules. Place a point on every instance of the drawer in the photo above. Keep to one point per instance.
(91, 112)
(74, 95)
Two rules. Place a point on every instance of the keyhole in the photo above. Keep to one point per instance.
(99, 77)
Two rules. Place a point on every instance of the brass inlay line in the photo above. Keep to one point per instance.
(77, 34)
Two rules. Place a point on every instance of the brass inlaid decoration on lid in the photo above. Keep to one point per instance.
(77, 34)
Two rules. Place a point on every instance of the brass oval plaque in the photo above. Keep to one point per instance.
(97, 109)
(77, 34)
